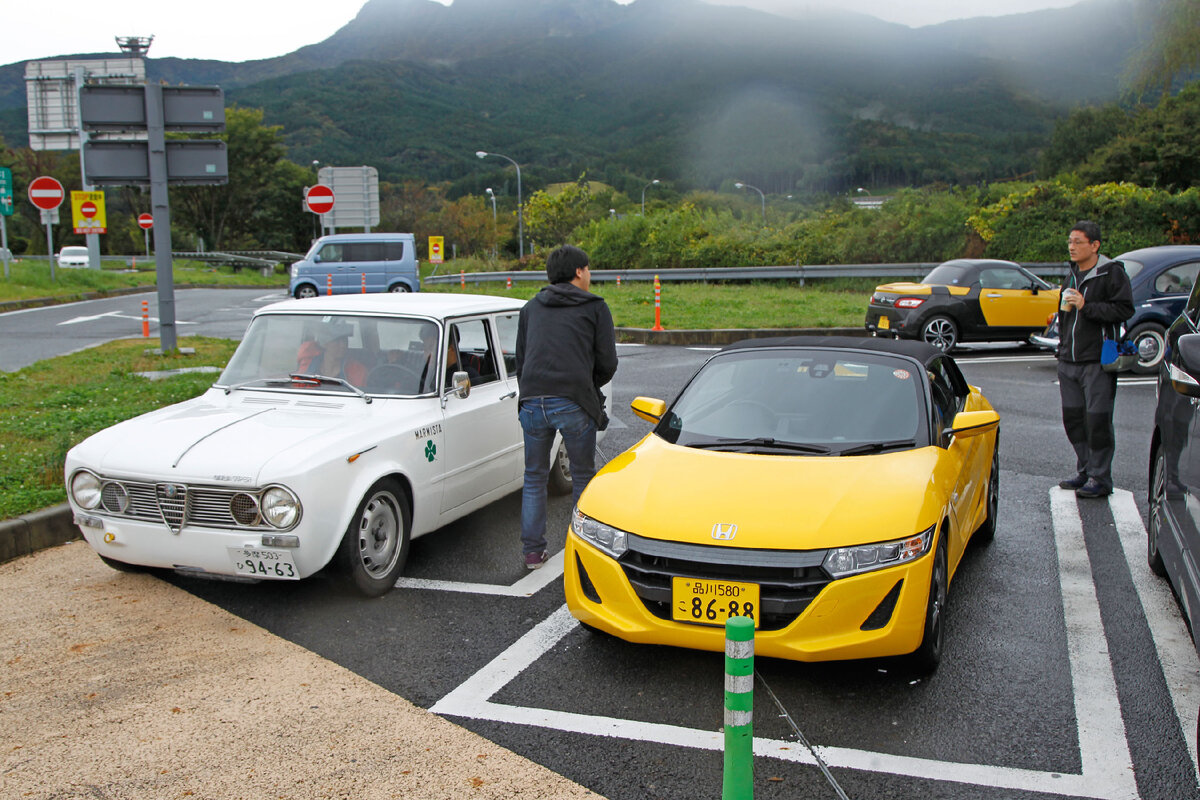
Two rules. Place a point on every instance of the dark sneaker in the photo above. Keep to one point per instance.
(535, 560)
(1093, 488)
(1072, 483)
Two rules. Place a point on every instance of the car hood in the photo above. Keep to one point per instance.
(207, 439)
(907, 288)
(663, 491)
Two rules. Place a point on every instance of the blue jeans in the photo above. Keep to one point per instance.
(540, 418)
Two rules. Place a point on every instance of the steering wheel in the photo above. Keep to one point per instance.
(393, 377)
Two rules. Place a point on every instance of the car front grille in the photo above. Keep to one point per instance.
(177, 504)
(788, 580)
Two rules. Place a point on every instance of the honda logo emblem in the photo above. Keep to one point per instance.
(724, 531)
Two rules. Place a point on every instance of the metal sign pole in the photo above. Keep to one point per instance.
(161, 209)
(4, 245)
(147, 243)
(92, 239)
(49, 242)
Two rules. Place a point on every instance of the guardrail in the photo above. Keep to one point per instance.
(256, 259)
(799, 273)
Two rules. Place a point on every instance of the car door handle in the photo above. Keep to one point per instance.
(995, 295)
(506, 396)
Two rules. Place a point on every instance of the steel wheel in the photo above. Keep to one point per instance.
(560, 472)
(305, 290)
(1158, 496)
(1151, 342)
(375, 546)
(399, 288)
(941, 332)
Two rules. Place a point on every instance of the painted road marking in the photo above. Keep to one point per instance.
(1107, 767)
(528, 586)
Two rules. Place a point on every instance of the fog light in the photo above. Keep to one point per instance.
(109, 537)
(280, 540)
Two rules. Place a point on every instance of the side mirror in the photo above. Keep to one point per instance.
(316, 259)
(1183, 375)
(649, 408)
(461, 382)
(973, 423)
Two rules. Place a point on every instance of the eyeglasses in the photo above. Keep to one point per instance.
(1077, 241)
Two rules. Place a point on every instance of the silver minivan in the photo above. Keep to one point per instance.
(349, 263)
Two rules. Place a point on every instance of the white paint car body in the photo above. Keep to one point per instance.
(441, 454)
(73, 257)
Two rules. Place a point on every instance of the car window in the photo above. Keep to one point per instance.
(948, 390)
(1132, 268)
(1002, 278)
(949, 275)
(1178, 279)
(331, 253)
(825, 398)
(393, 251)
(475, 355)
(506, 327)
(1193, 305)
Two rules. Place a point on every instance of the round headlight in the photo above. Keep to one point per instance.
(280, 508)
(114, 498)
(244, 509)
(85, 489)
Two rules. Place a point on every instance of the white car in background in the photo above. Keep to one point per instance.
(288, 464)
(73, 258)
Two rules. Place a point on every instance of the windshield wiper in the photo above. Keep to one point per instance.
(876, 447)
(300, 377)
(761, 441)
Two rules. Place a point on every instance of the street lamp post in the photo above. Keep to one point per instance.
(520, 204)
(644, 188)
(760, 194)
(492, 196)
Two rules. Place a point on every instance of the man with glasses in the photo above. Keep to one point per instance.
(1096, 299)
(566, 350)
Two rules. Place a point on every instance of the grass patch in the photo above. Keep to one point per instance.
(50, 406)
(30, 278)
(834, 303)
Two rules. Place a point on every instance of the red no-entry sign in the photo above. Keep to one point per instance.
(145, 221)
(46, 193)
(88, 209)
(319, 199)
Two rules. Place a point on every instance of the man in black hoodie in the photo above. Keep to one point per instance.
(1096, 299)
(566, 351)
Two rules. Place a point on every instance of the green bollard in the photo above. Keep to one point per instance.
(739, 709)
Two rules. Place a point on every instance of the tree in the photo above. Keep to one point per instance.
(550, 218)
(261, 202)
(1174, 49)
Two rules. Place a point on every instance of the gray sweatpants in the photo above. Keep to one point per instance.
(1088, 398)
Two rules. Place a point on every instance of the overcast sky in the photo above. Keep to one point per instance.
(242, 30)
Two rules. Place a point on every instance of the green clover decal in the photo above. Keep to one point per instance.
(430, 450)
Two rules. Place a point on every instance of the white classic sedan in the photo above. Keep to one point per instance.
(341, 428)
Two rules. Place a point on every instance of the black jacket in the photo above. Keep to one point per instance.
(566, 347)
(1107, 302)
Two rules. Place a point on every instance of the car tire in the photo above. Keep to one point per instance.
(121, 566)
(560, 472)
(941, 332)
(375, 546)
(986, 531)
(928, 655)
(1152, 337)
(399, 288)
(304, 291)
(1158, 496)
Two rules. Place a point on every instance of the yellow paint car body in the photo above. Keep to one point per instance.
(663, 491)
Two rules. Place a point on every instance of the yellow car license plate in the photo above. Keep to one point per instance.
(712, 602)
(883, 324)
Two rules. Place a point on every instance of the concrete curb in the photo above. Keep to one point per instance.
(37, 530)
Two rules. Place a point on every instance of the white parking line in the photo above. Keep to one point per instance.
(1107, 767)
(1174, 647)
(528, 586)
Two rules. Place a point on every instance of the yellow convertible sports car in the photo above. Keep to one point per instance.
(825, 487)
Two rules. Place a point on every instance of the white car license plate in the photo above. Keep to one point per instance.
(260, 562)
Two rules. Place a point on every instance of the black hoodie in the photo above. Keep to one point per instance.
(566, 347)
(1107, 302)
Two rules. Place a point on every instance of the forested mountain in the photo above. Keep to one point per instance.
(671, 89)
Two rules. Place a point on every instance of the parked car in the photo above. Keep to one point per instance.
(73, 258)
(826, 488)
(1161, 278)
(291, 462)
(357, 263)
(964, 300)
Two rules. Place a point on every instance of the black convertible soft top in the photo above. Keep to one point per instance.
(918, 350)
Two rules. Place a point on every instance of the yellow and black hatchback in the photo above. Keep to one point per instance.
(964, 300)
